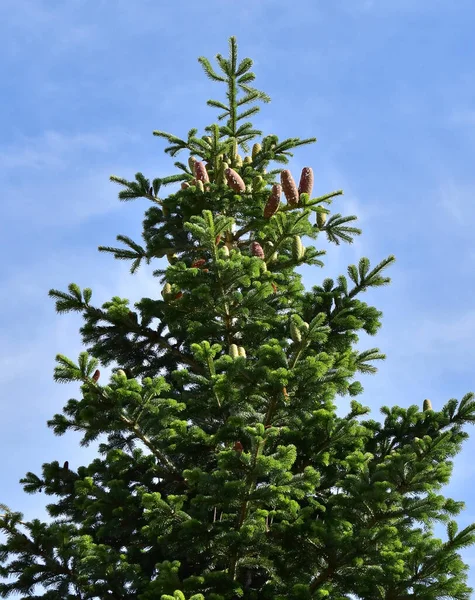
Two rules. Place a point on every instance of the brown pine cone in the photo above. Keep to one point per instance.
(273, 202)
(306, 181)
(234, 181)
(201, 172)
(289, 187)
(256, 250)
(238, 447)
(96, 375)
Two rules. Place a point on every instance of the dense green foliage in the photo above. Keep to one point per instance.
(224, 470)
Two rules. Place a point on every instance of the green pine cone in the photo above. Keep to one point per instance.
(166, 291)
(241, 352)
(191, 164)
(233, 351)
(298, 249)
(255, 150)
(258, 184)
(427, 405)
(295, 332)
(321, 219)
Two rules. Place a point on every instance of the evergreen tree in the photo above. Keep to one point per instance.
(224, 469)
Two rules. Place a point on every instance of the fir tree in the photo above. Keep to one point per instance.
(224, 470)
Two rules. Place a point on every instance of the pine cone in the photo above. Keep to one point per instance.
(238, 162)
(96, 375)
(166, 291)
(66, 465)
(238, 447)
(289, 187)
(298, 249)
(191, 164)
(295, 332)
(306, 181)
(201, 172)
(255, 150)
(172, 257)
(198, 263)
(221, 178)
(241, 352)
(258, 184)
(200, 186)
(121, 372)
(321, 219)
(427, 405)
(225, 250)
(247, 160)
(233, 351)
(234, 181)
(273, 202)
(256, 250)
(184, 185)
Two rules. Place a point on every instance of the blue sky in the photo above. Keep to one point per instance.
(387, 87)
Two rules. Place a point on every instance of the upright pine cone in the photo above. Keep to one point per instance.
(200, 172)
(191, 164)
(121, 372)
(256, 250)
(321, 219)
(241, 352)
(233, 351)
(221, 177)
(298, 249)
(295, 332)
(273, 202)
(200, 185)
(306, 181)
(255, 150)
(96, 375)
(258, 184)
(234, 181)
(427, 405)
(184, 185)
(172, 257)
(289, 187)
(166, 291)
